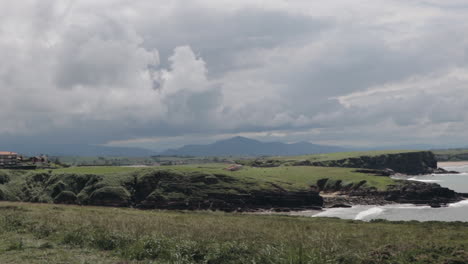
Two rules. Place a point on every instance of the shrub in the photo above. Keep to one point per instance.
(4, 177)
(111, 196)
(57, 188)
(77, 237)
(15, 245)
(82, 198)
(66, 197)
(147, 248)
(2, 194)
(106, 240)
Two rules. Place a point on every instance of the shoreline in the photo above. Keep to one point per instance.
(314, 212)
(452, 163)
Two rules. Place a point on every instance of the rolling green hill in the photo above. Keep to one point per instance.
(188, 186)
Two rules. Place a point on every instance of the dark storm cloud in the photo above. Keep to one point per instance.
(221, 37)
(144, 72)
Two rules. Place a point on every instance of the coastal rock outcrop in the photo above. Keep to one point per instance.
(336, 193)
(411, 163)
(169, 190)
(421, 193)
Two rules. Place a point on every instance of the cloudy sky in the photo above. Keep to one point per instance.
(160, 74)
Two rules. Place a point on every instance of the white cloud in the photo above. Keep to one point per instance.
(308, 70)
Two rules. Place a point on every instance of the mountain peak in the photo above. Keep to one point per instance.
(242, 146)
(237, 139)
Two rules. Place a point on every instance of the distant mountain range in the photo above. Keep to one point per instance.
(241, 146)
(236, 146)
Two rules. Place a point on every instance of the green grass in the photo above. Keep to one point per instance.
(451, 154)
(341, 155)
(296, 177)
(119, 161)
(450, 151)
(188, 186)
(99, 170)
(289, 177)
(39, 233)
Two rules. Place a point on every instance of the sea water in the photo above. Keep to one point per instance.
(406, 212)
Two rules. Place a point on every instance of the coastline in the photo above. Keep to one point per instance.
(452, 163)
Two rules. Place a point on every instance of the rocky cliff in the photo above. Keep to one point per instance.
(412, 163)
(401, 192)
(162, 189)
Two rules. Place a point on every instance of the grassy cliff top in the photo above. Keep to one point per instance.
(288, 177)
(342, 155)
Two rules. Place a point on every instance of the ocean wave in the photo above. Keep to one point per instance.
(459, 204)
(369, 212)
(423, 180)
(451, 174)
(407, 206)
(455, 167)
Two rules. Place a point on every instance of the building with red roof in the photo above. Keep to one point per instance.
(8, 158)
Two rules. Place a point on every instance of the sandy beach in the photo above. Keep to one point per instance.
(452, 163)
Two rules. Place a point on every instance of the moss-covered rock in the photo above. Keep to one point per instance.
(413, 163)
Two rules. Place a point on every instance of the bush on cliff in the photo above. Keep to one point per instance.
(4, 177)
(65, 197)
(144, 183)
(2, 194)
(57, 188)
(111, 196)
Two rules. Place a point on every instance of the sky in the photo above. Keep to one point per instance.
(159, 74)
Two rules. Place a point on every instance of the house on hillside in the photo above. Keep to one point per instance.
(39, 159)
(8, 159)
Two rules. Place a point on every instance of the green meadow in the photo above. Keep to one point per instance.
(47, 232)
(289, 177)
(42, 233)
(341, 155)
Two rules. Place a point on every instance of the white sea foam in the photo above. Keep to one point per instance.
(423, 180)
(459, 204)
(456, 168)
(408, 206)
(369, 212)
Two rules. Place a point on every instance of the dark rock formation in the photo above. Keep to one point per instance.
(403, 192)
(328, 185)
(385, 172)
(412, 163)
(421, 193)
(235, 202)
(444, 171)
(340, 205)
(165, 189)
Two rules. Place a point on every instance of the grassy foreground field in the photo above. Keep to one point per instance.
(41, 233)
